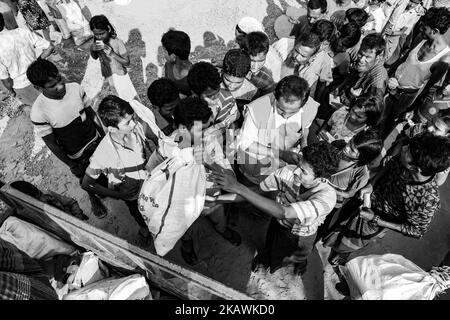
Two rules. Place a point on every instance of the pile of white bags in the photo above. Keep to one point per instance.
(133, 287)
(90, 270)
(173, 195)
(91, 281)
(33, 240)
(393, 277)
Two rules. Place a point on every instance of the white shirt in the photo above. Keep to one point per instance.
(280, 133)
(379, 19)
(407, 19)
(311, 207)
(19, 48)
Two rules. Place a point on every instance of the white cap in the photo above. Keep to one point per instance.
(250, 24)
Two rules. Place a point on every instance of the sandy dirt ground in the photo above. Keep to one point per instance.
(210, 24)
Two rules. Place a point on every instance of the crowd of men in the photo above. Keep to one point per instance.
(338, 131)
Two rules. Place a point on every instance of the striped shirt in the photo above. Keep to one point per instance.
(311, 205)
(373, 81)
(225, 110)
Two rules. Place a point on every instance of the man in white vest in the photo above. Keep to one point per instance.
(275, 128)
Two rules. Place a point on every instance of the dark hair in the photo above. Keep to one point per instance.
(324, 29)
(255, 43)
(27, 188)
(310, 40)
(40, 72)
(357, 15)
(178, 43)
(101, 22)
(318, 4)
(2, 22)
(372, 106)
(191, 109)
(236, 63)
(369, 145)
(162, 91)
(203, 75)
(292, 86)
(437, 19)
(349, 34)
(323, 158)
(112, 110)
(373, 41)
(430, 153)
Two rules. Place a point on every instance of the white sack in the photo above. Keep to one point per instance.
(31, 239)
(390, 277)
(133, 287)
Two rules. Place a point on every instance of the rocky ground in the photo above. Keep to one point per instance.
(210, 24)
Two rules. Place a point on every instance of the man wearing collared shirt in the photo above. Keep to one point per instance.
(274, 125)
(303, 200)
(302, 57)
(316, 10)
(368, 75)
(19, 48)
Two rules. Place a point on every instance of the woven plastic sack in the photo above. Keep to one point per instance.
(171, 199)
(90, 270)
(392, 277)
(173, 195)
(133, 287)
(33, 240)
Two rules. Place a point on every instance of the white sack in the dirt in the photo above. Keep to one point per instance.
(133, 287)
(33, 240)
(392, 277)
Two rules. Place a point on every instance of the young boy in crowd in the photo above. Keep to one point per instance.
(236, 66)
(164, 95)
(257, 46)
(303, 201)
(177, 46)
(205, 82)
(63, 118)
(192, 117)
(117, 167)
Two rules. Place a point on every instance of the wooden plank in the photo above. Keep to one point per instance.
(170, 277)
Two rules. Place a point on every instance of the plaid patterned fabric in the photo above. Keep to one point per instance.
(21, 277)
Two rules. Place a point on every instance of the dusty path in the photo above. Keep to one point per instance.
(210, 25)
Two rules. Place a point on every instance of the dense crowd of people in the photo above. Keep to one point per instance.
(338, 131)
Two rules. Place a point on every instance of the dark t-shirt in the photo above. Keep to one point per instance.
(182, 83)
(301, 27)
